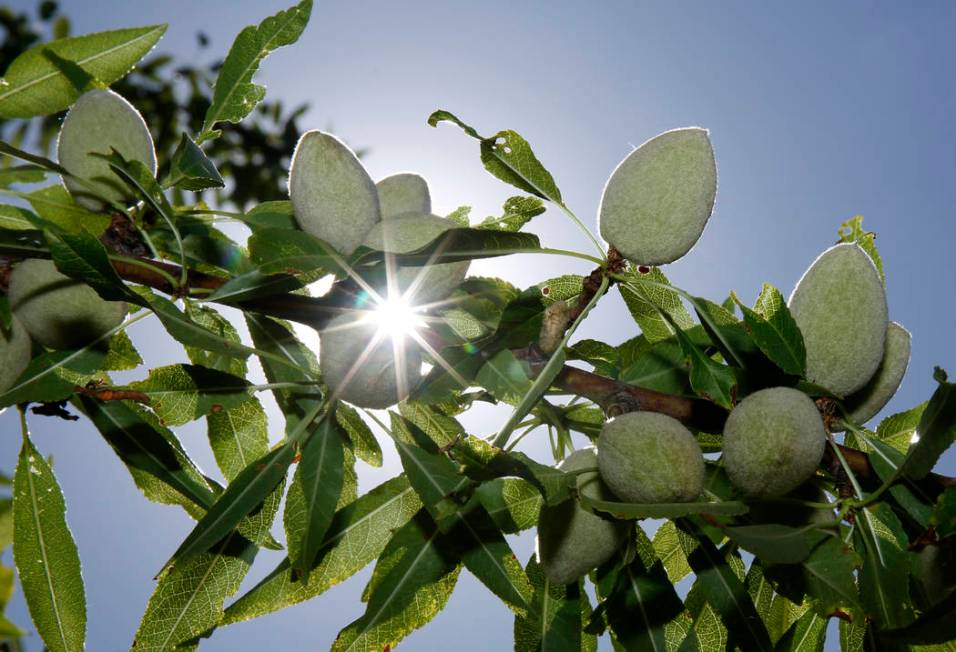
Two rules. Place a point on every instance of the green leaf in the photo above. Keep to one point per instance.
(708, 377)
(669, 544)
(254, 284)
(188, 601)
(516, 212)
(45, 554)
(271, 214)
(726, 593)
(852, 231)
(884, 577)
(898, 429)
(826, 577)
(357, 535)
(235, 94)
(934, 626)
(364, 443)
(456, 245)
(505, 377)
(661, 367)
(180, 393)
(188, 332)
(706, 633)
(191, 169)
(287, 251)
(936, 430)
(83, 257)
(210, 319)
(238, 436)
(774, 543)
(886, 461)
(776, 611)
(313, 494)
(34, 85)
(513, 503)
(646, 302)
(775, 331)
(243, 495)
(51, 376)
(639, 599)
(416, 575)
(16, 218)
(57, 206)
(441, 429)
(944, 513)
(661, 510)
(151, 453)
(553, 622)
(805, 635)
(6, 533)
(21, 174)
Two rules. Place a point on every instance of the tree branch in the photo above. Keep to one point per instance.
(613, 396)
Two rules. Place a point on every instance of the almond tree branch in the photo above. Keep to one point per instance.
(613, 396)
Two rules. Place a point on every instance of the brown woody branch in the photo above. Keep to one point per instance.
(613, 396)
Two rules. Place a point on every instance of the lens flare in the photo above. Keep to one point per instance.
(396, 317)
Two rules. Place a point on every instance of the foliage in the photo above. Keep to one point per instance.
(762, 573)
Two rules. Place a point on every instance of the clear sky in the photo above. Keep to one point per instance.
(817, 111)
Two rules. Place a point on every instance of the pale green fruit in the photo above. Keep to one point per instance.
(57, 311)
(658, 200)
(646, 457)
(403, 193)
(409, 232)
(100, 121)
(571, 540)
(333, 198)
(867, 402)
(840, 306)
(14, 353)
(361, 368)
(773, 442)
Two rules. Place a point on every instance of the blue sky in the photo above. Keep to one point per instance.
(817, 111)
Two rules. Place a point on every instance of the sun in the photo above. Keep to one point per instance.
(397, 317)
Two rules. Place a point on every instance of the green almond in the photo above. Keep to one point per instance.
(773, 442)
(57, 311)
(866, 403)
(658, 199)
(101, 121)
(405, 192)
(409, 232)
(840, 307)
(571, 540)
(15, 350)
(646, 457)
(363, 367)
(333, 198)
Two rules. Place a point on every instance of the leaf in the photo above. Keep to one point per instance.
(944, 513)
(645, 301)
(512, 503)
(238, 436)
(661, 367)
(936, 625)
(884, 577)
(83, 257)
(313, 494)
(187, 332)
(639, 600)
(150, 452)
(505, 377)
(364, 443)
(235, 94)
(45, 554)
(208, 318)
(776, 611)
(706, 633)
(456, 245)
(254, 284)
(886, 461)
(805, 635)
(188, 601)
(191, 169)
(826, 577)
(419, 573)
(852, 231)
(726, 593)
(180, 393)
(661, 510)
(57, 206)
(50, 376)
(773, 543)
(898, 429)
(775, 331)
(243, 495)
(709, 378)
(357, 535)
(34, 85)
(553, 622)
(441, 429)
(516, 212)
(936, 431)
(669, 543)
(21, 174)
(16, 218)
(287, 251)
